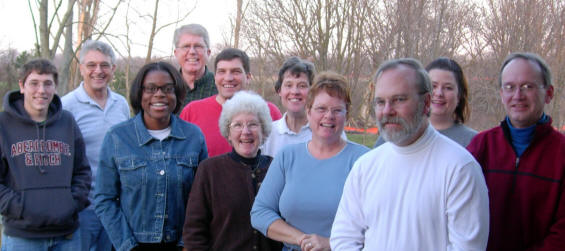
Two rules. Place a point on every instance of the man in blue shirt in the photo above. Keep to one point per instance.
(95, 108)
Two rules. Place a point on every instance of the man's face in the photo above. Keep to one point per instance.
(524, 106)
(192, 53)
(97, 70)
(399, 108)
(230, 78)
(38, 90)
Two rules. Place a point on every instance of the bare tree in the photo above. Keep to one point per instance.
(529, 25)
(68, 52)
(47, 28)
(238, 20)
(354, 37)
(155, 29)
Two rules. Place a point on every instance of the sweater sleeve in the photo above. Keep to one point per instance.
(348, 229)
(555, 239)
(475, 148)
(185, 113)
(196, 230)
(467, 209)
(11, 204)
(265, 209)
(82, 175)
(275, 112)
(106, 198)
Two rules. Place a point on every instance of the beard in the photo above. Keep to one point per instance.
(408, 130)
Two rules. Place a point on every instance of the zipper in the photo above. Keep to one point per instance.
(515, 173)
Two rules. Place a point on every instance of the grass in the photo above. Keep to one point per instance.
(363, 139)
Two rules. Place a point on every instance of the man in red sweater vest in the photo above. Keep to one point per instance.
(232, 74)
(523, 161)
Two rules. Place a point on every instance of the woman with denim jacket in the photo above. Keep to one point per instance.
(147, 165)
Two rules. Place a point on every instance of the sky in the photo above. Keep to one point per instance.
(17, 25)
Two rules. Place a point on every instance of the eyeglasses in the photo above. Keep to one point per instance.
(47, 85)
(526, 88)
(91, 66)
(167, 89)
(336, 111)
(196, 47)
(238, 127)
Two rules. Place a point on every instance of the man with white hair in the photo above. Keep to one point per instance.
(192, 51)
(95, 108)
(418, 191)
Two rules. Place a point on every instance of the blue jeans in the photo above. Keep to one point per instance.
(93, 235)
(63, 243)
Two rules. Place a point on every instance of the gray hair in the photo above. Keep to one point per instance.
(95, 45)
(193, 29)
(245, 102)
(533, 58)
(422, 77)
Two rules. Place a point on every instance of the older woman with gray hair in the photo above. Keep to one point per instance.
(217, 214)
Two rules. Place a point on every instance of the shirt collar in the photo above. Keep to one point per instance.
(207, 74)
(143, 136)
(205, 77)
(83, 97)
(282, 127)
(424, 139)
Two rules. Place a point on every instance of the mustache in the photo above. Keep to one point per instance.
(387, 119)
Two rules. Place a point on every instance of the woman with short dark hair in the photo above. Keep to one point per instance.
(295, 77)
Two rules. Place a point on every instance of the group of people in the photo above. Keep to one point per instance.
(205, 164)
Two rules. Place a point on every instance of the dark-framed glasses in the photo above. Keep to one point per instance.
(167, 89)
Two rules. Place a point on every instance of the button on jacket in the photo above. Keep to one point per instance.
(143, 183)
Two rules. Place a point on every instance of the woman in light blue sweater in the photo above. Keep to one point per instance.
(299, 196)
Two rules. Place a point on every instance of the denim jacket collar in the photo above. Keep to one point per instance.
(143, 136)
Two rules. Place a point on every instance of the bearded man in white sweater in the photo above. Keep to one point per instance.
(418, 191)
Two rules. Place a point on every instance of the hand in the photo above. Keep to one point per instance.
(314, 242)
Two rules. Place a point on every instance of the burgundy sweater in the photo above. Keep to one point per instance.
(217, 214)
(526, 194)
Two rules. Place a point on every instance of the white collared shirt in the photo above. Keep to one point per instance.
(282, 136)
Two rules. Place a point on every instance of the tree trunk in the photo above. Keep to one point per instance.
(43, 30)
(153, 33)
(68, 55)
(237, 24)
